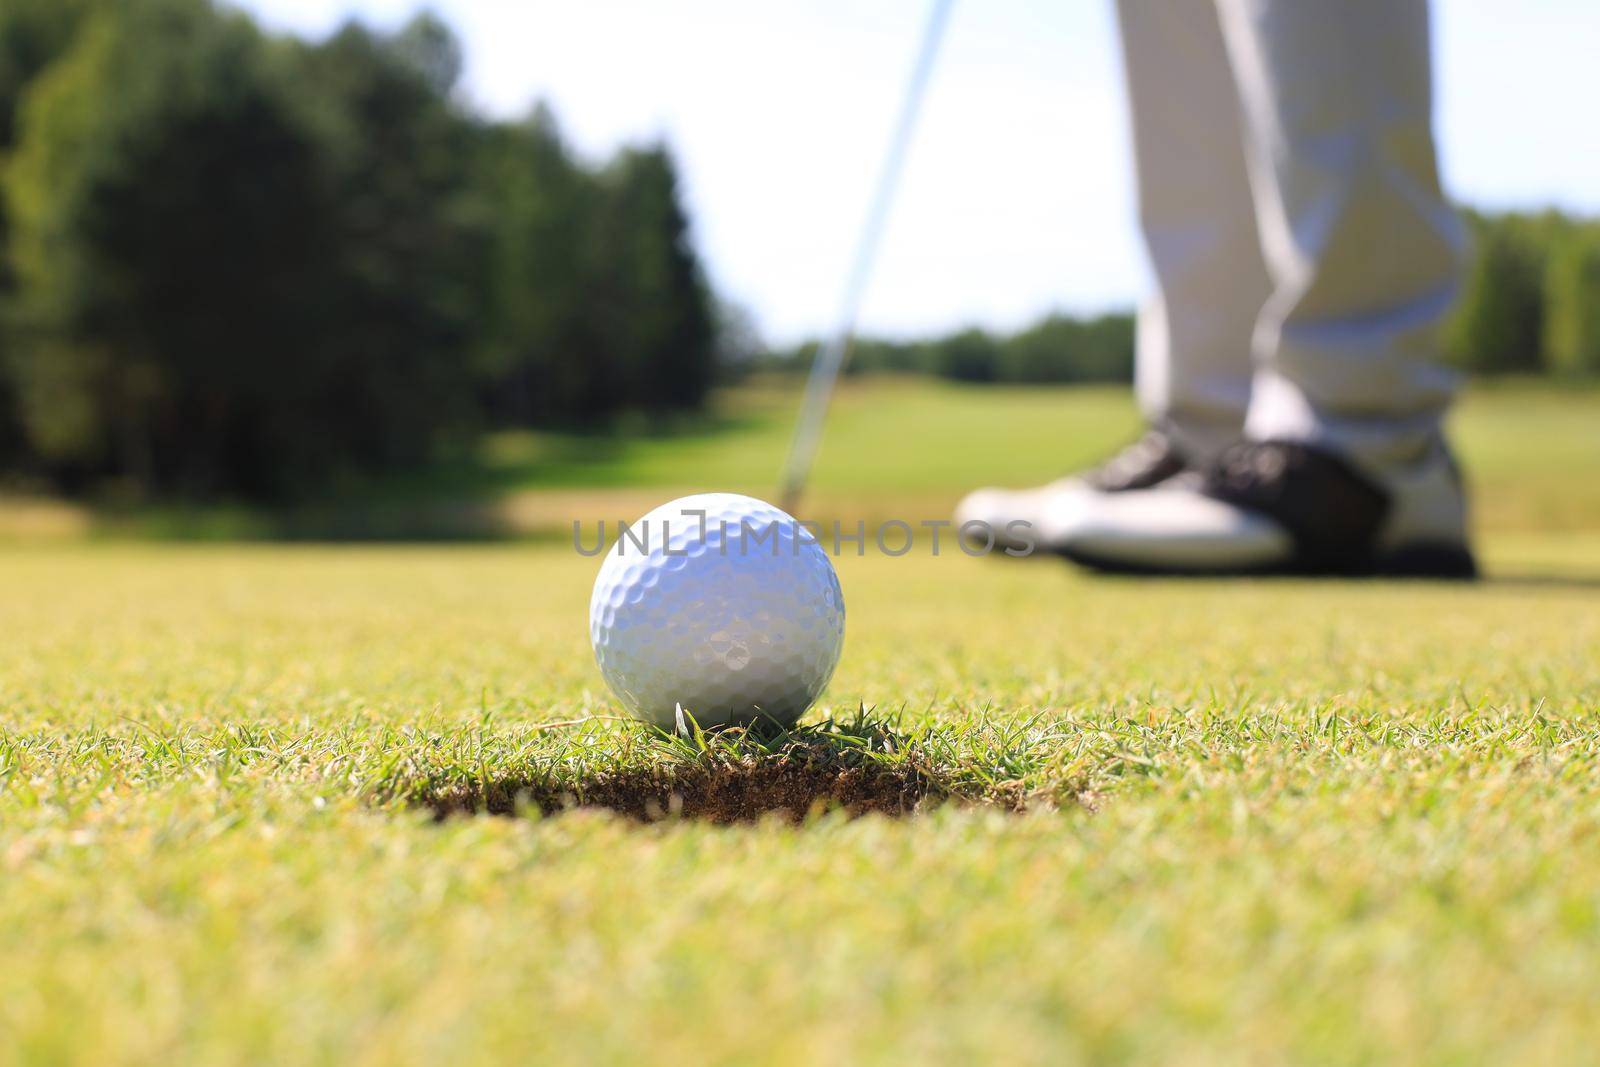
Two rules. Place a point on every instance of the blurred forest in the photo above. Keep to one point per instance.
(1057, 348)
(1530, 305)
(246, 265)
(239, 265)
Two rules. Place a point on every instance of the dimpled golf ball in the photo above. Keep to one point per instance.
(720, 603)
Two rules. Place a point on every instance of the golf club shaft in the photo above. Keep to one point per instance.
(831, 354)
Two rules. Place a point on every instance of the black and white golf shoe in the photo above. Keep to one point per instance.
(1147, 462)
(1278, 507)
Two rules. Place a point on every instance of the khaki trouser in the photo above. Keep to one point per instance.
(1290, 199)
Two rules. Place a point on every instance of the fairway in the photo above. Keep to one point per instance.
(909, 448)
(1183, 821)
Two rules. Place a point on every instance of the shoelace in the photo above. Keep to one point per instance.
(1150, 459)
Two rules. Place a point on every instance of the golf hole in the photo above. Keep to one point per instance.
(722, 792)
(742, 774)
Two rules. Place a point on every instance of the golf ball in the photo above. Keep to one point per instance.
(721, 603)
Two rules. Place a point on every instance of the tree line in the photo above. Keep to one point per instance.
(1531, 302)
(1057, 348)
(1530, 305)
(241, 264)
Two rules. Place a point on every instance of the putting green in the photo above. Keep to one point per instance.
(1199, 822)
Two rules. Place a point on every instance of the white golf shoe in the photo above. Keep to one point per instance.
(1031, 518)
(1278, 507)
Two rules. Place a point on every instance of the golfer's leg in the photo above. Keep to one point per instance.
(1362, 248)
(1194, 362)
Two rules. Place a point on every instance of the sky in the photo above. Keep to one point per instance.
(1017, 198)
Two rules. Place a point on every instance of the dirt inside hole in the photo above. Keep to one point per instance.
(735, 774)
(722, 791)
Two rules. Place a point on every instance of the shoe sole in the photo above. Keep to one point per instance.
(1439, 562)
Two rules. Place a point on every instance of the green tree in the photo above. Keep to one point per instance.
(164, 210)
(1108, 349)
(1498, 326)
(652, 306)
(1057, 348)
(244, 269)
(1572, 304)
(969, 356)
(33, 34)
(430, 50)
(408, 240)
(739, 343)
(540, 348)
(1061, 348)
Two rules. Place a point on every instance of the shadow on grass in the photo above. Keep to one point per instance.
(454, 498)
(735, 775)
(1574, 582)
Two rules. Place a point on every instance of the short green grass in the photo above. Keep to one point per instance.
(1533, 450)
(1180, 822)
